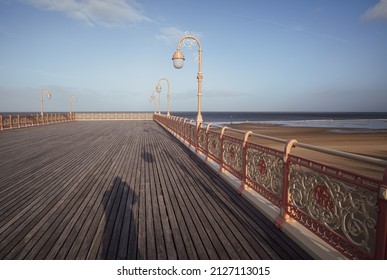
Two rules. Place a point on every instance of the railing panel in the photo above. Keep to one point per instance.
(22, 121)
(191, 134)
(264, 172)
(15, 121)
(202, 140)
(346, 210)
(7, 122)
(214, 146)
(338, 206)
(30, 120)
(233, 155)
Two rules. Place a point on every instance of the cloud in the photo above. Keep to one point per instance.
(173, 34)
(95, 12)
(170, 35)
(379, 11)
(298, 29)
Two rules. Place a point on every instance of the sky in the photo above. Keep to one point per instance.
(258, 55)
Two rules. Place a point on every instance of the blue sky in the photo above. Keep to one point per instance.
(258, 55)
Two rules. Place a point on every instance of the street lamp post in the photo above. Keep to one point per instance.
(158, 89)
(159, 100)
(73, 98)
(178, 62)
(41, 99)
(153, 98)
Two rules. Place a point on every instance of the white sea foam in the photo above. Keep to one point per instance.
(365, 124)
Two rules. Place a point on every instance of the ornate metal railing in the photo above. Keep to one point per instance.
(345, 209)
(113, 116)
(20, 121)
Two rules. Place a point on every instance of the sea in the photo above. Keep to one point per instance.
(340, 122)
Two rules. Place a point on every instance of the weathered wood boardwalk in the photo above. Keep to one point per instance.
(122, 190)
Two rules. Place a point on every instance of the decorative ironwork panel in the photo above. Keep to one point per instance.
(6, 122)
(30, 120)
(214, 146)
(202, 140)
(14, 121)
(264, 172)
(192, 134)
(186, 131)
(233, 155)
(179, 128)
(339, 207)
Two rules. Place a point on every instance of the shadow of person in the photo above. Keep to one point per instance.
(147, 157)
(120, 233)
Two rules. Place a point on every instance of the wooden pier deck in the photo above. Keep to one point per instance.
(122, 190)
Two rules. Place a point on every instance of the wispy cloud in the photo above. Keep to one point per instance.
(379, 11)
(95, 12)
(169, 34)
(297, 29)
(322, 35)
(289, 27)
(173, 34)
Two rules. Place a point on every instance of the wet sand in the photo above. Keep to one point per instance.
(347, 140)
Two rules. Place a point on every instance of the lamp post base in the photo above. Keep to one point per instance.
(199, 120)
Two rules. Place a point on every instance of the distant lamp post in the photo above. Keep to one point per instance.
(74, 99)
(158, 89)
(153, 98)
(178, 62)
(44, 91)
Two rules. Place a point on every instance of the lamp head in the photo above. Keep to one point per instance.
(158, 88)
(178, 59)
(49, 94)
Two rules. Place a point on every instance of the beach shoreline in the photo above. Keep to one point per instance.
(372, 144)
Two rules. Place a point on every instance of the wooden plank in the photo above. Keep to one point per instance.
(122, 190)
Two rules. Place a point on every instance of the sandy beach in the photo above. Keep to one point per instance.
(347, 140)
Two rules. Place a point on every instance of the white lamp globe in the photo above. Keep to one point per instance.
(178, 59)
(178, 63)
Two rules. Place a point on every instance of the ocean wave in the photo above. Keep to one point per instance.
(369, 124)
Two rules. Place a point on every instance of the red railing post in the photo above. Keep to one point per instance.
(197, 137)
(280, 220)
(185, 129)
(10, 122)
(244, 162)
(207, 144)
(381, 229)
(18, 121)
(1, 123)
(221, 148)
